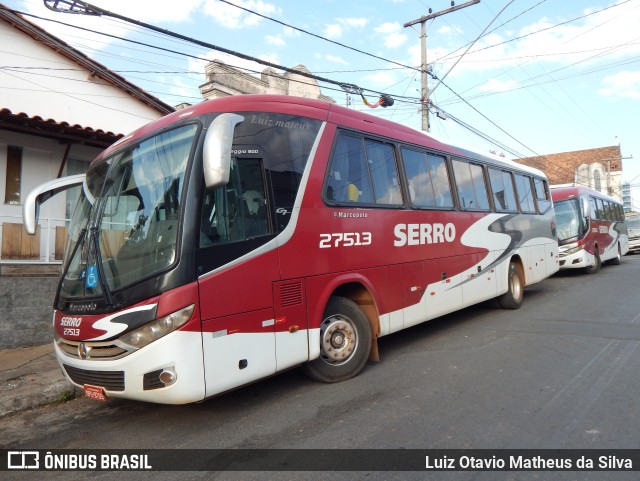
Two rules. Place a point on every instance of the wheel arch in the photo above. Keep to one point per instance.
(358, 289)
(517, 260)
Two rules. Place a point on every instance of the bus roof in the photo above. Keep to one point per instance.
(320, 110)
(568, 191)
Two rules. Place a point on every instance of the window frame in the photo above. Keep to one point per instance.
(470, 164)
(13, 175)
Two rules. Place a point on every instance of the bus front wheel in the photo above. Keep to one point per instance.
(345, 342)
(597, 263)
(512, 299)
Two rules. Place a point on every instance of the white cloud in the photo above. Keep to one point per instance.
(336, 59)
(290, 32)
(162, 11)
(381, 80)
(275, 40)
(392, 32)
(232, 17)
(354, 22)
(336, 30)
(603, 37)
(387, 28)
(622, 84)
(333, 31)
(395, 40)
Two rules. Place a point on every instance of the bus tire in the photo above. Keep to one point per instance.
(597, 263)
(345, 342)
(512, 299)
(617, 260)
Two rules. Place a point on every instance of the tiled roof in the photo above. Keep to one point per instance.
(36, 125)
(560, 168)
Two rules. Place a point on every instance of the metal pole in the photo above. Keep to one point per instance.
(424, 91)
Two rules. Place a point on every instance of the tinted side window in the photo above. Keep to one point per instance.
(599, 209)
(525, 195)
(349, 180)
(502, 190)
(363, 172)
(384, 174)
(609, 210)
(542, 195)
(472, 193)
(427, 178)
(593, 208)
(235, 211)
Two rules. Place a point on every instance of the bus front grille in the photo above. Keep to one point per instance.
(110, 380)
(97, 350)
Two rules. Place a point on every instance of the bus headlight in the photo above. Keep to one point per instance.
(573, 250)
(154, 330)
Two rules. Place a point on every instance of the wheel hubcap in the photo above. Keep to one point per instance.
(338, 340)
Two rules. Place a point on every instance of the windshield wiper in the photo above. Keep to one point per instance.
(99, 267)
(80, 240)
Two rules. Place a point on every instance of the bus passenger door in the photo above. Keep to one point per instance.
(290, 314)
(236, 270)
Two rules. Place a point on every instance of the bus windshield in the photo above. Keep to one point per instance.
(125, 225)
(568, 220)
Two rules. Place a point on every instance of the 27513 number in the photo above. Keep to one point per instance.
(345, 239)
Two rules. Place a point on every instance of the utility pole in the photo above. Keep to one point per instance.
(424, 90)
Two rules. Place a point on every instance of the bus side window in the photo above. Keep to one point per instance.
(502, 189)
(427, 178)
(525, 195)
(542, 195)
(593, 208)
(235, 211)
(349, 179)
(599, 209)
(384, 173)
(472, 192)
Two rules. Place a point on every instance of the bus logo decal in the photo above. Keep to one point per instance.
(420, 234)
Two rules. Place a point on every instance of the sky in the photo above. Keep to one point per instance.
(534, 77)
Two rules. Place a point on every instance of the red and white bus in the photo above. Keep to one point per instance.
(591, 228)
(248, 235)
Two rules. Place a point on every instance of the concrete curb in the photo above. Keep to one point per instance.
(30, 378)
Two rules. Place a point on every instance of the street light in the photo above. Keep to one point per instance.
(73, 6)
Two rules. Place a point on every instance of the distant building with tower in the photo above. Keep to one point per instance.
(223, 80)
(600, 169)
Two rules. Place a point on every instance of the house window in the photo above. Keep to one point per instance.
(596, 180)
(14, 174)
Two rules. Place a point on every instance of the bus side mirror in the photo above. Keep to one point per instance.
(216, 155)
(42, 193)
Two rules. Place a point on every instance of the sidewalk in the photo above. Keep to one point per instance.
(31, 377)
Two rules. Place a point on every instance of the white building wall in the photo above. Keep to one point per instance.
(67, 93)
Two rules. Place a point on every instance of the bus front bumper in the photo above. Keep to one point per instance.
(167, 371)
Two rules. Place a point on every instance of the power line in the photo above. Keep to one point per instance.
(319, 36)
(340, 84)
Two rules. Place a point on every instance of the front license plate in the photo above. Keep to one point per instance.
(95, 393)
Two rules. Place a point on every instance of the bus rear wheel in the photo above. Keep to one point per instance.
(617, 260)
(512, 299)
(597, 263)
(345, 342)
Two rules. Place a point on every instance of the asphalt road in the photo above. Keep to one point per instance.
(559, 373)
